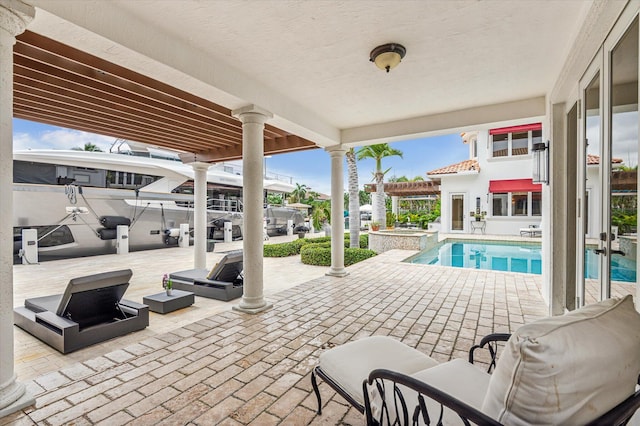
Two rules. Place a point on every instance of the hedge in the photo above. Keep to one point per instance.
(321, 256)
(293, 247)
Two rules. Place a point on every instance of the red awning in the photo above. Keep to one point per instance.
(516, 129)
(514, 185)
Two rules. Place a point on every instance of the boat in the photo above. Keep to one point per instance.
(76, 199)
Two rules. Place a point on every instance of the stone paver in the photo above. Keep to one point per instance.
(257, 371)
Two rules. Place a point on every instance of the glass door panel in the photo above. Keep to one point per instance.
(588, 267)
(622, 170)
(457, 212)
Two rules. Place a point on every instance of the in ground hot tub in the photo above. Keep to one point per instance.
(403, 239)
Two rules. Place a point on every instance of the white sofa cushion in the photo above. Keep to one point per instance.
(567, 369)
(350, 364)
(457, 378)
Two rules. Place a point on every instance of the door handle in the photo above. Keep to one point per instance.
(620, 252)
(600, 251)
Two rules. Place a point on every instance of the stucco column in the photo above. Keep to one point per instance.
(253, 119)
(394, 205)
(337, 212)
(14, 17)
(200, 214)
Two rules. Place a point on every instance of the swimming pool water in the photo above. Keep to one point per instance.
(512, 257)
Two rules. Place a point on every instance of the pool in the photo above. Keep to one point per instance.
(512, 257)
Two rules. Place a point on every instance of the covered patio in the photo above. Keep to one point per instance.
(236, 368)
(469, 65)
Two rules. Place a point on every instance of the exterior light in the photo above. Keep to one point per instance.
(541, 162)
(387, 56)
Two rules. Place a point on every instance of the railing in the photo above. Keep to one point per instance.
(232, 206)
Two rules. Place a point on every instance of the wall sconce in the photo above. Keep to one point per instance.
(541, 162)
(387, 56)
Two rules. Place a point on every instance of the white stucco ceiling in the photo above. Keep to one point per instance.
(307, 61)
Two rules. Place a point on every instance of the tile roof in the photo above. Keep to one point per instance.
(464, 166)
(595, 159)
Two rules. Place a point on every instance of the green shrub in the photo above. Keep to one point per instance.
(364, 240)
(316, 245)
(321, 256)
(291, 248)
(280, 250)
(355, 255)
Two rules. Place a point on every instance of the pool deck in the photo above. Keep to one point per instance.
(208, 364)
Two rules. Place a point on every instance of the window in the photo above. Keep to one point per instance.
(536, 203)
(522, 203)
(520, 143)
(500, 205)
(515, 140)
(519, 204)
(501, 145)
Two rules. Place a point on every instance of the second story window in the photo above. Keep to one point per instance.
(515, 140)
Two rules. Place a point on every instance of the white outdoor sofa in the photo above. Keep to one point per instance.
(579, 368)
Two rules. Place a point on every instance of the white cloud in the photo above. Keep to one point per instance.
(60, 139)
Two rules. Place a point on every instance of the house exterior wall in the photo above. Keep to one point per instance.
(475, 185)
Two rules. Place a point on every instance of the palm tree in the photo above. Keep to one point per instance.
(321, 213)
(378, 152)
(299, 194)
(354, 200)
(88, 147)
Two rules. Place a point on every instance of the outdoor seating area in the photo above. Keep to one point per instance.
(563, 353)
(90, 311)
(256, 369)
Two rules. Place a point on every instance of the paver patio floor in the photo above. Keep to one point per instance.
(233, 368)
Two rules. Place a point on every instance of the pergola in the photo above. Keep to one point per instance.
(63, 86)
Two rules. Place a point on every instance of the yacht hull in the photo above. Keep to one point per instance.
(154, 219)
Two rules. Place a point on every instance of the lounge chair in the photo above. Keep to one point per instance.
(90, 311)
(223, 282)
(579, 368)
(531, 231)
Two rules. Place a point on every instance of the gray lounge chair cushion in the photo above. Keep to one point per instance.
(567, 369)
(43, 304)
(350, 364)
(190, 275)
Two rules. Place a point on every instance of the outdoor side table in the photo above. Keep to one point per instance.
(162, 304)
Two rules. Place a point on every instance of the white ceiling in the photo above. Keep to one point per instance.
(307, 61)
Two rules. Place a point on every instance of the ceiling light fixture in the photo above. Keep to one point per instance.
(387, 56)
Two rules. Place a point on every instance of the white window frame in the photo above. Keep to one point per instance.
(510, 145)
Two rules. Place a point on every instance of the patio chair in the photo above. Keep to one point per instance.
(90, 311)
(222, 282)
(531, 231)
(579, 368)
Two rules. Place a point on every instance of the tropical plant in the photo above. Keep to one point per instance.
(274, 199)
(321, 213)
(391, 218)
(354, 199)
(364, 197)
(378, 152)
(298, 195)
(88, 147)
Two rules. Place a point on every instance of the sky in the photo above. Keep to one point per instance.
(311, 168)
